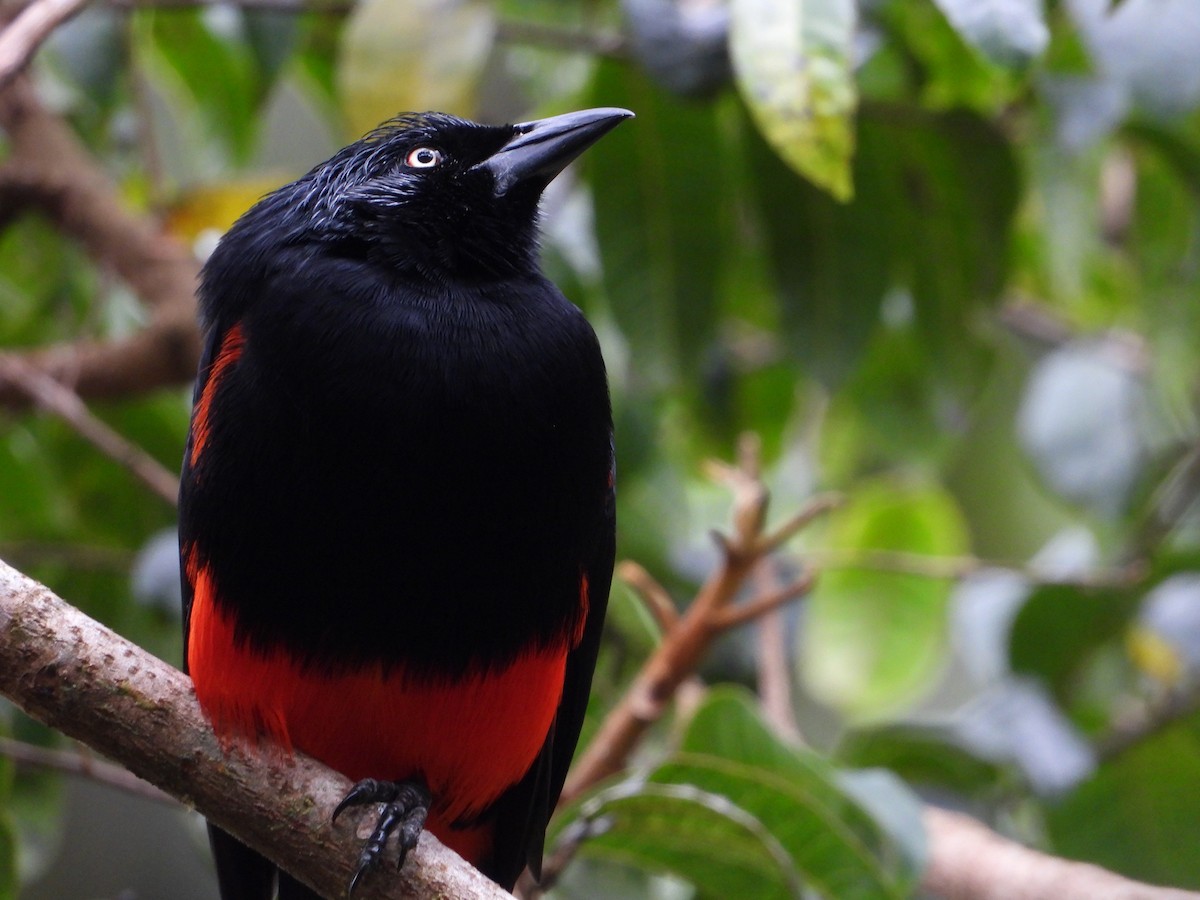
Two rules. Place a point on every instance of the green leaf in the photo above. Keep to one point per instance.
(665, 213)
(1061, 627)
(207, 52)
(954, 193)
(936, 196)
(781, 816)
(792, 64)
(832, 262)
(729, 725)
(873, 640)
(677, 827)
(396, 57)
(949, 72)
(922, 757)
(1008, 32)
(1137, 814)
(824, 850)
(272, 37)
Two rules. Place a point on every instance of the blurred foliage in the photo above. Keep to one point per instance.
(941, 256)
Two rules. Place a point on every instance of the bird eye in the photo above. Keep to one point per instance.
(423, 158)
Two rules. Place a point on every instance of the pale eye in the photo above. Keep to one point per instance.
(423, 158)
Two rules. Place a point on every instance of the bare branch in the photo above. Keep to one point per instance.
(86, 557)
(652, 594)
(685, 644)
(739, 614)
(952, 568)
(79, 677)
(65, 403)
(774, 677)
(21, 38)
(968, 861)
(813, 509)
(83, 765)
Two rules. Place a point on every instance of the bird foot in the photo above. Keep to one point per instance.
(405, 806)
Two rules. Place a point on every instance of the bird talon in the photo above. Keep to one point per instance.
(405, 807)
(366, 791)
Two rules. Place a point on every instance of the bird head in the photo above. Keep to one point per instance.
(440, 196)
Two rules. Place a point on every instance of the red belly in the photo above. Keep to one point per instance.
(470, 738)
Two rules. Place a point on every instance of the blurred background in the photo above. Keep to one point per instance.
(940, 256)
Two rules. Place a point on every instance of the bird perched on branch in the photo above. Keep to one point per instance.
(396, 515)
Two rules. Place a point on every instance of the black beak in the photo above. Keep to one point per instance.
(539, 150)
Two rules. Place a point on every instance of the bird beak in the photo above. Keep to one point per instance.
(539, 150)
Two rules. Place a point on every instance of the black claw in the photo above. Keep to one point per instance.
(406, 804)
(367, 791)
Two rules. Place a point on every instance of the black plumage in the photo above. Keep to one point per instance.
(400, 469)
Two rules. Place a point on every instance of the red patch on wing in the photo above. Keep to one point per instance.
(470, 738)
(227, 354)
(585, 602)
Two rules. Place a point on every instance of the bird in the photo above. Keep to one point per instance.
(397, 514)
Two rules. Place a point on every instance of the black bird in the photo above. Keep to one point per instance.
(397, 524)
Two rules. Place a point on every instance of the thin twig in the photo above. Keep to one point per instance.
(82, 765)
(686, 643)
(20, 40)
(813, 509)
(774, 676)
(739, 614)
(87, 557)
(651, 593)
(65, 403)
(953, 568)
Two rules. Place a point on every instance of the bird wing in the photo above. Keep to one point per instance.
(533, 799)
(209, 373)
(242, 873)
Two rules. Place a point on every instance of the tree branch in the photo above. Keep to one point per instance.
(954, 568)
(50, 171)
(968, 861)
(773, 662)
(75, 675)
(83, 765)
(21, 38)
(651, 593)
(65, 403)
(711, 613)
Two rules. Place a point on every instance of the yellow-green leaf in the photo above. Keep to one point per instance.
(792, 63)
(412, 56)
(873, 639)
